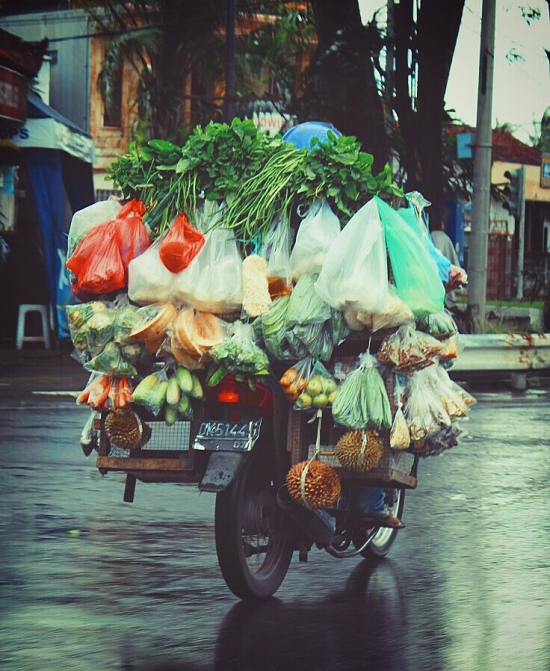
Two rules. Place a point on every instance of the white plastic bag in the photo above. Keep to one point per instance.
(213, 280)
(355, 272)
(149, 281)
(276, 251)
(84, 220)
(316, 234)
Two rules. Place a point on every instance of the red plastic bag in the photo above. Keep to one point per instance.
(96, 261)
(132, 234)
(180, 245)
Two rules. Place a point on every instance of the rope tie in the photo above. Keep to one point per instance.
(363, 449)
(318, 416)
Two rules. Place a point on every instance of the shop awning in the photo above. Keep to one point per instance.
(45, 128)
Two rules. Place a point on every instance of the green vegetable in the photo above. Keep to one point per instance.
(173, 392)
(157, 397)
(110, 362)
(170, 415)
(362, 400)
(100, 329)
(185, 409)
(258, 177)
(273, 328)
(185, 379)
(143, 390)
(339, 172)
(127, 320)
(215, 374)
(438, 324)
(196, 391)
(239, 354)
(78, 315)
(132, 351)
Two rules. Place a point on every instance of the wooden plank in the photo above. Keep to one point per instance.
(294, 435)
(140, 464)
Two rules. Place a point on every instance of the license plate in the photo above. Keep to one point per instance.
(227, 435)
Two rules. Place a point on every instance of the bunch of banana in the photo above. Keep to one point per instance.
(171, 396)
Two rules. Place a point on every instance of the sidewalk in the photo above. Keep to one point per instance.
(27, 371)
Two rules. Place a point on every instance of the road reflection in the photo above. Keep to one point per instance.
(362, 627)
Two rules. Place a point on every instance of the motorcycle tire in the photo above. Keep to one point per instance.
(382, 537)
(253, 541)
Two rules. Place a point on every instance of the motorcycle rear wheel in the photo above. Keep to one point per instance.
(382, 537)
(253, 542)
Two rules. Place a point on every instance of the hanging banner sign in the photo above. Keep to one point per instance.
(13, 95)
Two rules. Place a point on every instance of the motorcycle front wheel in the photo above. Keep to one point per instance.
(253, 541)
(382, 538)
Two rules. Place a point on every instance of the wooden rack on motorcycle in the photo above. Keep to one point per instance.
(296, 370)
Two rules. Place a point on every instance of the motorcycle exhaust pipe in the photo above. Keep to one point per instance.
(318, 525)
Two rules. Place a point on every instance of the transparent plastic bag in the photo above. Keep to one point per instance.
(355, 272)
(316, 233)
(309, 323)
(213, 280)
(149, 281)
(394, 313)
(424, 410)
(110, 362)
(151, 392)
(238, 354)
(99, 330)
(305, 305)
(455, 400)
(362, 400)
(276, 248)
(414, 270)
(440, 325)
(409, 350)
(127, 319)
(272, 328)
(308, 384)
(400, 437)
(415, 215)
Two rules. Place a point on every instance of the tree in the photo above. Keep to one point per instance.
(342, 85)
(348, 76)
(165, 41)
(424, 51)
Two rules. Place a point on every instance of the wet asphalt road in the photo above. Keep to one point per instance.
(88, 582)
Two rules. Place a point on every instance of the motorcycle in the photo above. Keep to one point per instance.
(240, 445)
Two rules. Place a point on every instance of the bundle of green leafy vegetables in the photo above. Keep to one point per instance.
(256, 176)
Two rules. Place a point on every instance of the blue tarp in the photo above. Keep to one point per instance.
(54, 172)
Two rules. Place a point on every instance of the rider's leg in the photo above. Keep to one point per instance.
(372, 500)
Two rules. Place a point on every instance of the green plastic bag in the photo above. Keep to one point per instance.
(415, 272)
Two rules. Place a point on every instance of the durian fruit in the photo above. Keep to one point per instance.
(320, 487)
(125, 429)
(360, 450)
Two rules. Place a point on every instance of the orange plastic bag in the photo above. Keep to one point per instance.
(96, 261)
(132, 234)
(180, 245)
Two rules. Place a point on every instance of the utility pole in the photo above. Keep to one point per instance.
(521, 233)
(230, 78)
(481, 201)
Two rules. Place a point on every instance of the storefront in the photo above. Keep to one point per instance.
(46, 175)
